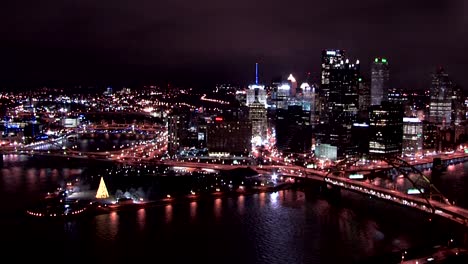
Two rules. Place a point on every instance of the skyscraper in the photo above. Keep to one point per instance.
(293, 130)
(364, 95)
(293, 85)
(412, 136)
(258, 117)
(385, 129)
(256, 92)
(380, 77)
(340, 100)
(440, 108)
(330, 57)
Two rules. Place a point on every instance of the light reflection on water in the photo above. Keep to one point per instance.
(107, 226)
(168, 213)
(141, 218)
(218, 207)
(274, 198)
(193, 210)
(240, 204)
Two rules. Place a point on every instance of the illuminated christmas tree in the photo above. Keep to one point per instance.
(102, 190)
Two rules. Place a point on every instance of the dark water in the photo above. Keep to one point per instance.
(100, 143)
(288, 226)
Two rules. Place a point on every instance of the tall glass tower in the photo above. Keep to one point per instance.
(330, 57)
(440, 108)
(380, 77)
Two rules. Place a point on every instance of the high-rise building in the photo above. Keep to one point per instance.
(432, 137)
(385, 129)
(339, 100)
(412, 136)
(458, 106)
(293, 130)
(441, 92)
(310, 95)
(178, 129)
(293, 84)
(398, 96)
(380, 77)
(256, 92)
(229, 136)
(330, 57)
(258, 118)
(364, 95)
(343, 98)
(280, 96)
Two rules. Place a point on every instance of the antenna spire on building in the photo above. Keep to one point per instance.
(256, 73)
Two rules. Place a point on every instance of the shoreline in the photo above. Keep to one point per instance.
(186, 199)
(94, 206)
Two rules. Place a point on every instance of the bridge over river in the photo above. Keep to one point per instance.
(430, 201)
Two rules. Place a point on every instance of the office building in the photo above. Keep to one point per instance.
(380, 77)
(412, 136)
(385, 129)
(440, 107)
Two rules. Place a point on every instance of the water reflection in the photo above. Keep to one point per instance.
(274, 198)
(261, 199)
(141, 218)
(107, 226)
(217, 207)
(241, 204)
(31, 179)
(193, 210)
(168, 213)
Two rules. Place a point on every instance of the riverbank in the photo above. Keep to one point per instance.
(85, 203)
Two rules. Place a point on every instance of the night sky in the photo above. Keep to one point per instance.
(72, 42)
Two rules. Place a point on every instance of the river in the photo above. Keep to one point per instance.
(288, 226)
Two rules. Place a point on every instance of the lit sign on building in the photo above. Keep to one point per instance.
(255, 86)
(201, 136)
(411, 119)
(356, 176)
(414, 191)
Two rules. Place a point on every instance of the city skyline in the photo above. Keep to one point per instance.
(91, 43)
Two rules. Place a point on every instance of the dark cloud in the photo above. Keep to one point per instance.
(71, 41)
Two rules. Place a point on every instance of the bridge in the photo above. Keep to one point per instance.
(426, 196)
(119, 128)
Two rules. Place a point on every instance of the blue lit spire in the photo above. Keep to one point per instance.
(256, 73)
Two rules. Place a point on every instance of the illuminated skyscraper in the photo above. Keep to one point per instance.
(339, 100)
(412, 136)
(258, 117)
(440, 108)
(281, 95)
(380, 77)
(364, 95)
(293, 84)
(330, 57)
(385, 129)
(309, 94)
(256, 92)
